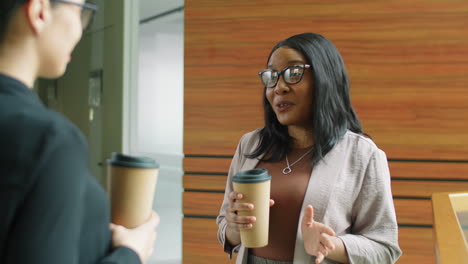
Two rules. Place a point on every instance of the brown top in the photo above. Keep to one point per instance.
(288, 193)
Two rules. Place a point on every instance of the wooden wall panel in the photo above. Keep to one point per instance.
(415, 170)
(201, 245)
(207, 164)
(424, 189)
(400, 188)
(409, 212)
(408, 65)
(204, 182)
(417, 245)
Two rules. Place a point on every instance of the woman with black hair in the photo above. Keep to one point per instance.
(52, 211)
(330, 187)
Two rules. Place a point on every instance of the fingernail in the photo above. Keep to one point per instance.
(251, 206)
(239, 196)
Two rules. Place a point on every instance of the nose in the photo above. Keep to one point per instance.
(281, 86)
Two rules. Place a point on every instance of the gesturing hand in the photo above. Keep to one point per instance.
(316, 236)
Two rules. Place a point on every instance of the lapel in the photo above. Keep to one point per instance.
(322, 180)
(250, 163)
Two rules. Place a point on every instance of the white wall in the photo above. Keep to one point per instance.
(149, 8)
(157, 126)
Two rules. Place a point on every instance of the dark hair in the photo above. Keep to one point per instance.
(332, 112)
(7, 10)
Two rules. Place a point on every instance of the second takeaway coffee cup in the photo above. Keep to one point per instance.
(132, 186)
(255, 186)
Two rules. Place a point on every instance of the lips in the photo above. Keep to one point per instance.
(283, 105)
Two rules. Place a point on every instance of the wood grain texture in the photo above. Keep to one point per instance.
(408, 66)
(413, 212)
(211, 165)
(429, 170)
(426, 188)
(400, 188)
(205, 182)
(417, 245)
(201, 245)
(407, 61)
(409, 212)
(398, 169)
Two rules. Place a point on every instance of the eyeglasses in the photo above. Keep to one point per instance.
(87, 12)
(291, 75)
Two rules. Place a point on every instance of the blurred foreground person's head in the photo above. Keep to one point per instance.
(37, 37)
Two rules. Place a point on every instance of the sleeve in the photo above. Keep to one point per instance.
(47, 225)
(220, 220)
(121, 255)
(374, 234)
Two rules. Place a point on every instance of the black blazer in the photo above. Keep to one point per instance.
(51, 210)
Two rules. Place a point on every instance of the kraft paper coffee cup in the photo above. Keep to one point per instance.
(132, 187)
(255, 187)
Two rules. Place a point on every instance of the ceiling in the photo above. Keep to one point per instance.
(149, 8)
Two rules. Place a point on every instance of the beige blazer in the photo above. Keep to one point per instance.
(350, 192)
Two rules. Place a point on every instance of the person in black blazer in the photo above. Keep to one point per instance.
(51, 210)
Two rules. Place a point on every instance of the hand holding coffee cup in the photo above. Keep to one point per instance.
(251, 216)
(132, 187)
(236, 222)
(140, 239)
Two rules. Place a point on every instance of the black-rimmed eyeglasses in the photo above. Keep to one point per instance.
(87, 11)
(291, 75)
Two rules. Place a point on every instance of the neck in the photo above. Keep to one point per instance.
(302, 136)
(18, 60)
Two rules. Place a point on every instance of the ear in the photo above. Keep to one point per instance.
(38, 14)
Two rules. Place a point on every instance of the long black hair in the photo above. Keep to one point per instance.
(332, 112)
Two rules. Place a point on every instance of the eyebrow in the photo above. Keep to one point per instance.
(289, 62)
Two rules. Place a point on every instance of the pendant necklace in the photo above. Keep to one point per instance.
(288, 169)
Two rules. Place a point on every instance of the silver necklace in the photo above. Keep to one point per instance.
(288, 169)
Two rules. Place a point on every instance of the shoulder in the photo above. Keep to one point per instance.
(360, 147)
(359, 141)
(37, 125)
(31, 134)
(250, 140)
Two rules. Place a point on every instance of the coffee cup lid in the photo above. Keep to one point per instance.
(122, 160)
(252, 176)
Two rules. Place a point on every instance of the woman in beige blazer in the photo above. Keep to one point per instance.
(330, 188)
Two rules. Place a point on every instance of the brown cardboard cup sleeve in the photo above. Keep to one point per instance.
(132, 188)
(255, 186)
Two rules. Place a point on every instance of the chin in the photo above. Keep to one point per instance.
(285, 122)
(290, 122)
(53, 72)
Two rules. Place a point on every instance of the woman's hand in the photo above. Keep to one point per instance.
(235, 222)
(316, 236)
(140, 239)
